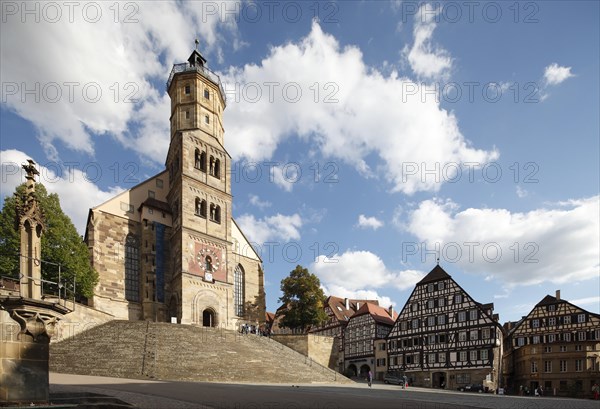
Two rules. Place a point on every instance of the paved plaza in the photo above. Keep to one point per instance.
(159, 394)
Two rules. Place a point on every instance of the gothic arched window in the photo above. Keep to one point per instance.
(238, 290)
(132, 269)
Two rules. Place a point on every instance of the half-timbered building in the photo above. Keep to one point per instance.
(444, 338)
(369, 324)
(556, 346)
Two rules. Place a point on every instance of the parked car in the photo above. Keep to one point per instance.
(472, 388)
(395, 378)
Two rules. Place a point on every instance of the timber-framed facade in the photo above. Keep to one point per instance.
(556, 346)
(444, 338)
(369, 324)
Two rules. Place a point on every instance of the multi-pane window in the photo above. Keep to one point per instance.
(551, 337)
(567, 336)
(429, 288)
(473, 315)
(580, 318)
(430, 321)
(462, 316)
(547, 366)
(578, 348)
(441, 285)
(484, 354)
(520, 341)
(238, 278)
(403, 326)
(442, 357)
(441, 302)
(567, 319)
(552, 307)
(415, 323)
(462, 356)
(473, 355)
(563, 348)
(534, 367)
(552, 321)
(563, 365)
(431, 358)
(547, 349)
(430, 303)
(463, 378)
(462, 336)
(535, 323)
(441, 319)
(473, 335)
(457, 298)
(431, 339)
(132, 269)
(486, 333)
(536, 339)
(581, 336)
(578, 365)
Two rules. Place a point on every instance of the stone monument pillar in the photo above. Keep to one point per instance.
(31, 225)
(24, 348)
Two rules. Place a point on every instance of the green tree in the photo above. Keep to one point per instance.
(304, 298)
(61, 244)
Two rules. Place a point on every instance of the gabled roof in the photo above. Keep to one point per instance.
(339, 310)
(438, 273)
(379, 314)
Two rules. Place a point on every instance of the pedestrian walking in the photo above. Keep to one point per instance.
(370, 378)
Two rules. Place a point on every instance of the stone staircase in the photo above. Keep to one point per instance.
(150, 350)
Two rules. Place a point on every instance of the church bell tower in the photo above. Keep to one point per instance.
(200, 197)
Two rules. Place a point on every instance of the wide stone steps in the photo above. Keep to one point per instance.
(148, 350)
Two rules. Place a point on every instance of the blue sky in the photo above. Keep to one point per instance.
(396, 132)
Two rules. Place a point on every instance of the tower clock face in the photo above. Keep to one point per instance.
(208, 260)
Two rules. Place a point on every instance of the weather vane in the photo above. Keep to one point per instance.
(197, 42)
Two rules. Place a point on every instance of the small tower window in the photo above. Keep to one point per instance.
(206, 119)
(187, 114)
(206, 94)
(215, 213)
(188, 90)
(200, 207)
(215, 167)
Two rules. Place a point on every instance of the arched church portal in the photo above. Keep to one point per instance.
(209, 318)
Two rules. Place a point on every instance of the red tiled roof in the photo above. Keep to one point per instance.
(378, 313)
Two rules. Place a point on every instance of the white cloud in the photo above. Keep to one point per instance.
(521, 193)
(285, 176)
(353, 100)
(83, 95)
(427, 61)
(255, 201)
(360, 270)
(272, 228)
(593, 301)
(76, 193)
(554, 74)
(368, 222)
(558, 244)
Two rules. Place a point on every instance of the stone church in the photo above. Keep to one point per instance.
(168, 249)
